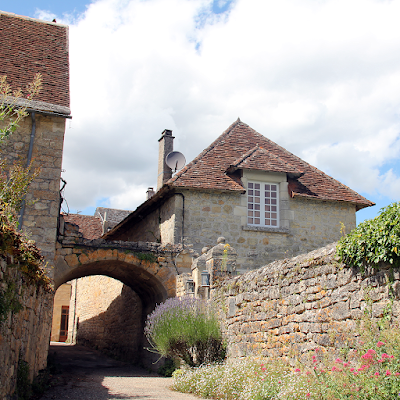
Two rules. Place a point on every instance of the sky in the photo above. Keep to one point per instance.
(319, 77)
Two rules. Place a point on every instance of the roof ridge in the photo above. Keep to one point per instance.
(40, 21)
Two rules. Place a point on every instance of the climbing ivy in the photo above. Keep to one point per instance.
(373, 241)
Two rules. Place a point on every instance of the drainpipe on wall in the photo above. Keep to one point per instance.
(32, 139)
(183, 217)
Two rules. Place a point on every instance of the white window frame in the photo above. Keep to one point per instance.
(262, 204)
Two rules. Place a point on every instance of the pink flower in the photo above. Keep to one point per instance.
(381, 360)
(351, 369)
(308, 373)
(279, 381)
(379, 344)
(308, 394)
(346, 364)
(384, 355)
(388, 373)
(371, 351)
(297, 370)
(397, 373)
(334, 369)
(376, 373)
(338, 360)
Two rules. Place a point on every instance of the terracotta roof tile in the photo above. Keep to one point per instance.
(237, 146)
(260, 159)
(29, 46)
(91, 227)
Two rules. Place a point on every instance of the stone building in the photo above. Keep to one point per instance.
(268, 203)
(30, 46)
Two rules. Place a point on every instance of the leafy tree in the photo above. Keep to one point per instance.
(373, 241)
(187, 329)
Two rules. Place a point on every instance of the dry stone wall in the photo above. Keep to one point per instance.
(292, 306)
(23, 335)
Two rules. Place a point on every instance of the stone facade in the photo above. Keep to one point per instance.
(23, 335)
(62, 299)
(304, 225)
(293, 306)
(108, 316)
(43, 200)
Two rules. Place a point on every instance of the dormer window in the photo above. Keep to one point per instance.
(263, 204)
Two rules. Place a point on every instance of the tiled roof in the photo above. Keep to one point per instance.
(262, 160)
(112, 215)
(91, 227)
(243, 147)
(29, 46)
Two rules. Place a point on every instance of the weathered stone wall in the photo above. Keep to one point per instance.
(305, 225)
(40, 217)
(158, 226)
(290, 307)
(108, 315)
(24, 335)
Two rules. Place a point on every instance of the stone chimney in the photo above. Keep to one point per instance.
(166, 145)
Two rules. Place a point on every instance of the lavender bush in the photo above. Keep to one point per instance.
(187, 329)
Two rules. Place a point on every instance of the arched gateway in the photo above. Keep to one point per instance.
(149, 269)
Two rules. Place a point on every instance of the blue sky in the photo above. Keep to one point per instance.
(319, 78)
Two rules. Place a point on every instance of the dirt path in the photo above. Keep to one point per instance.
(89, 375)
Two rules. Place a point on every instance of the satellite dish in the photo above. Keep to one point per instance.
(175, 160)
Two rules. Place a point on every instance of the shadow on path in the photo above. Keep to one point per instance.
(87, 374)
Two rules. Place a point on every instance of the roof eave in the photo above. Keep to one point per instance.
(143, 210)
(359, 205)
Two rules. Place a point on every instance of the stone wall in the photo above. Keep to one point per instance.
(290, 307)
(108, 316)
(24, 335)
(62, 298)
(305, 225)
(43, 199)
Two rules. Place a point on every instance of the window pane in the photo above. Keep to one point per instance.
(250, 185)
(267, 187)
(267, 194)
(256, 186)
(250, 193)
(268, 201)
(273, 187)
(257, 193)
(267, 208)
(267, 215)
(257, 221)
(273, 215)
(249, 220)
(257, 200)
(256, 206)
(273, 194)
(250, 206)
(273, 201)
(251, 199)
(267, 222)
(274, 223)
(273, 208)
(256, 213)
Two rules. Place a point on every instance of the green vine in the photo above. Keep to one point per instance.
(373, 241)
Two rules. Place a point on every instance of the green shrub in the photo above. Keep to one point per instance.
(373, 241)
(187, 329)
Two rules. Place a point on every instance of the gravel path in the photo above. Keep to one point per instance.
(89, 375)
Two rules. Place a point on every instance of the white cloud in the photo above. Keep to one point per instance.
(320, 78)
